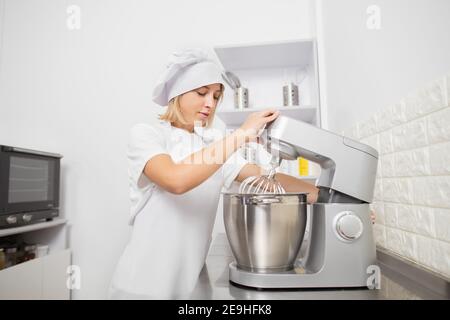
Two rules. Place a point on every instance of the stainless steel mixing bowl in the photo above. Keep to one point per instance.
(265, 232)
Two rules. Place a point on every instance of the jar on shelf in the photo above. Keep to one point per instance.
(2, 259)
(29, 252)
(10, 256)
(41, 250)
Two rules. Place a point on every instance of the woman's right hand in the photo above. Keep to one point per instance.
(257, 121)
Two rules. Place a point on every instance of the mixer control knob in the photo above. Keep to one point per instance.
(348, 226)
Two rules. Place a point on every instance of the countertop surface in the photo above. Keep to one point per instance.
(213, 283)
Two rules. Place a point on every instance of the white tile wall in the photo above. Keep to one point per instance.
(412, 192)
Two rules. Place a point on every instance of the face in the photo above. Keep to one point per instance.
(199, 104)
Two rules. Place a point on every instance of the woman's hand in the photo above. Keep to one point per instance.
(256, 121)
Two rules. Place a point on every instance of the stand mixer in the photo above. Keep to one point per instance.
(341, 247)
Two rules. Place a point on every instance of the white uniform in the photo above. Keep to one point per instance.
(171, 233)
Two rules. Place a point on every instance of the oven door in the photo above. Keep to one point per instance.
(29, 182)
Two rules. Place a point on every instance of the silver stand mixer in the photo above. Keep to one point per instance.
(341, 247)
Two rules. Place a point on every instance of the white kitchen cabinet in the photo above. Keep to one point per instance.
(22, 281)
(44, 277)
(264, 68)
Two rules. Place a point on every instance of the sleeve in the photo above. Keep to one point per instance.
(232, 167)
(145, 142)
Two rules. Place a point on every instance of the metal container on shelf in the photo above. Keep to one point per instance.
(241, 98)
(240, 93)
(290, 95)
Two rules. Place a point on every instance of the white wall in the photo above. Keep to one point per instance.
(412, 190)
(387, 88)
(77, 92)
(366, 70)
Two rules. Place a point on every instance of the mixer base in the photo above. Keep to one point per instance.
(296, 278)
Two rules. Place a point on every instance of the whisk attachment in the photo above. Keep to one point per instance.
(264, 183)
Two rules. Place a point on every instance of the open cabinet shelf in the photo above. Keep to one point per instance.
(292, 53)
(264, 69)
(234, 118)
(44, 277)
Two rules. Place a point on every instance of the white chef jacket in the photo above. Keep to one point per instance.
(171, 233)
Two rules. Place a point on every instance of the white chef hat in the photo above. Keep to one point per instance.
(186, 70)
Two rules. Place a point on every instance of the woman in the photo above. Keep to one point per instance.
(177, 170)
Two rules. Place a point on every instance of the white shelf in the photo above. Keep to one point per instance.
(295, 53)
(32, 227)
(236, 117)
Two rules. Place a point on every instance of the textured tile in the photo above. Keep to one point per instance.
(391, 116)
(424, 251)
(420, 162)
(387, 169)
(368, 127)
(441, 256)
(404, 190)
(379, 168)
(406, 217)
(439, 126)
(416, 134)
(394, 240)
(390, 214)
(401, 163)
(399, 138)
(438, 191)
(389, 190)
(424, 221)
(412, 192)
(411, 163)
(421, 190)
(386, 145)
(398, 113)
(416, 219)
(409, 245)
(410, 135)
(398, 190)
(440, 158)
(442, 220)
(384, 119)
(378, 190)
(426, 100)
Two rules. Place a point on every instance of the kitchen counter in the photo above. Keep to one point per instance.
(213, 284)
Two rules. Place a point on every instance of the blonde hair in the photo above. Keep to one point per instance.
(173, 112)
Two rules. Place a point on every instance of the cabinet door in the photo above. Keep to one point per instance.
(55, 276)
(23, 281)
